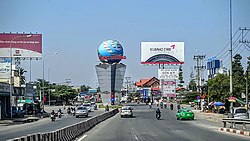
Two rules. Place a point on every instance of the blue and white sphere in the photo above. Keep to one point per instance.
(108, 49)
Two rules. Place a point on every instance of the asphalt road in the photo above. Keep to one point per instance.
(43, 125)
(145, 127)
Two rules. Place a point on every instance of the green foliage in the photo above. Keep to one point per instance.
(180, 77)
(84, 88)
(192, 85)
(218, 87)
(238, 76)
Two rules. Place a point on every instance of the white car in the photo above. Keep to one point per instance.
(81, 111)
(240, 113)
(88, 106)
(126, 111)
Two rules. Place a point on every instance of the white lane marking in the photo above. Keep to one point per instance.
(136, 138)
(84, 136)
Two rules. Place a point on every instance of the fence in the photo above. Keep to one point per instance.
(69, 132)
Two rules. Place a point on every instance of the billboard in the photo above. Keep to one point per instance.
(168, 88)
(5, 69)
(20, 45)
(162, 52)
(168, 73)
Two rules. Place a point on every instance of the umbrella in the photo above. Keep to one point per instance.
(196, 101)
(211, 103)
(219, 104)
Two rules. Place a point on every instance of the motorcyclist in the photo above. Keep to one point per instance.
(171, 106)
(178, 107)
(52, 112)
(158, 111)
(52, 115)
(107, 108)
(150, 104)
(165, 104)
(161, 104)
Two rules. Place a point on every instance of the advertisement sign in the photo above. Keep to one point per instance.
(5, 70)
(168, 73)
(20, 45)
(162, 52)
(30, 91)
(168, 88)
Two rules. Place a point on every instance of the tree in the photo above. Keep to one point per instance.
(84, 88)
(180, 77)
(238, 76)
(218, 87)
(192, 85)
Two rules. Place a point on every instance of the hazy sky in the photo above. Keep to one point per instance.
(76, 28)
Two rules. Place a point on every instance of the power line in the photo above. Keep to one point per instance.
(227, 44)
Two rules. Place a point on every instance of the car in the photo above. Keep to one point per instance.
(184, 113)
(240, 113)
(126, 111)
(88, 106)
(17, 112)
(93, 105)
(81, 111)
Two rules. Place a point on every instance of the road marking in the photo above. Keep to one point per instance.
(136, 138)
(84, 136)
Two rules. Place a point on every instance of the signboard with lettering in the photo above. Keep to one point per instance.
(168, 74)
(162, 52)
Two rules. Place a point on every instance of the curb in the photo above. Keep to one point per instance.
(235, 131)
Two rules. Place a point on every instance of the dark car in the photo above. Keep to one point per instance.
(17, 112)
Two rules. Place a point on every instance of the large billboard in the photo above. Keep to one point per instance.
(21, 45)
(162, 52)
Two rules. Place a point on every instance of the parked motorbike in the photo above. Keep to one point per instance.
(158, 115)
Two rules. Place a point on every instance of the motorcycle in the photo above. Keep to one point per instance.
(158, 115)
(165, 106)
(171, 107)
(52, 116)
(150, 106)
(68, 111)
(161, 106)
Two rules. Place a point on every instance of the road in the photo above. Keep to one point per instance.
(145, 127)
(43, 125)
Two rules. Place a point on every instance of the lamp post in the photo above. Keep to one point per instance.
(30, 66)
(49, 87)
(42, 99)
(11, 81)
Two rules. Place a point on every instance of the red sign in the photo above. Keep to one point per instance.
(22, 45)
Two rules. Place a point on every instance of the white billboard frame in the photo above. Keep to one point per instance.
(162, 52)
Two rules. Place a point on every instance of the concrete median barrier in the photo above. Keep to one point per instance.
(70, 132)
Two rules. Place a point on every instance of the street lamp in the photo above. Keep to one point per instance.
(42, 99)
(30, 65)
(11, 81)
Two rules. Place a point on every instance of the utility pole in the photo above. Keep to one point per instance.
(244, 41)
(231, 57)
(199, 68)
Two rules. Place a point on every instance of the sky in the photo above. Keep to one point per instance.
(76, 28)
